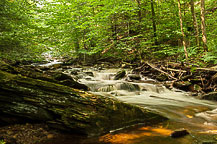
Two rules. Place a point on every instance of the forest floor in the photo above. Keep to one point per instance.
(26, 133)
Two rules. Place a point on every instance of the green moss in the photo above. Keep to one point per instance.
(31, 100)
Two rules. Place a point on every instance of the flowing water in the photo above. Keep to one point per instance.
(199, 117)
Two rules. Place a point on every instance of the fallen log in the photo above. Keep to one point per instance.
(35, 73)
(65, 108)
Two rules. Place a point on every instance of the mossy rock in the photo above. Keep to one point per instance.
(134, 77)
(119, 75)
(183, 85)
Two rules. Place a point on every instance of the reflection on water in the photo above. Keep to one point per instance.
(160, 134)
(137, 135)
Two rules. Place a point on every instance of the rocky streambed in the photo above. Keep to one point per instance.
(105, 107)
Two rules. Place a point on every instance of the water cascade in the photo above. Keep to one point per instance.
(184, 111)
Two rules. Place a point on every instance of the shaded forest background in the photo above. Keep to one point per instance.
(109, 30)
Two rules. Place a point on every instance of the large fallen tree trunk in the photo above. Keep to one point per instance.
(65, 108)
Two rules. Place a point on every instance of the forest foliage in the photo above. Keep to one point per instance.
(123, 30)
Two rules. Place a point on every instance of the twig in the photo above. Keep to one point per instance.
(202, 81)
(175, 70)
(154, 67)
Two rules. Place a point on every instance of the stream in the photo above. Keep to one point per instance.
(184, 111)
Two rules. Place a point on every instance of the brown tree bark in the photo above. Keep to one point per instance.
(203, 25)
(183, 34)
(196, 28)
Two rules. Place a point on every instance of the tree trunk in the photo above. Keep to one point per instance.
(196, 28)
(183, 34)
(203, 25)
(114, 29)
(139, 14)
(65, 108)
(154, 22)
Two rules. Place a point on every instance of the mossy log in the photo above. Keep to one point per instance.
(35, 73)
(66, 108)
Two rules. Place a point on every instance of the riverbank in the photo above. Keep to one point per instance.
(43, 134)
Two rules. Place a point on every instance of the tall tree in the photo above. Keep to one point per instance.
(139, 11)
(196, 28)
(203, 25)
(182, 30)
(154, 21)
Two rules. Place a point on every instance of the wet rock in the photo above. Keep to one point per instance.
(134, 77)
(183, 85)
(210, 96)
(67, 80)
(127, 86)
(119, 75)
(74, 84)
(88, 78)
(179, 133)
(100, 68)
(75, 71)
(194, 94)
(89, 73)
(61, 76)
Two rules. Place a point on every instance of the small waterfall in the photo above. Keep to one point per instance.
(150, 95)
(127, 86)
(108, 88)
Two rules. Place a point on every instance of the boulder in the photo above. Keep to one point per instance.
(89, 74)
(134, 77)
(65, 108)
(179, 133)
(119, 75)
